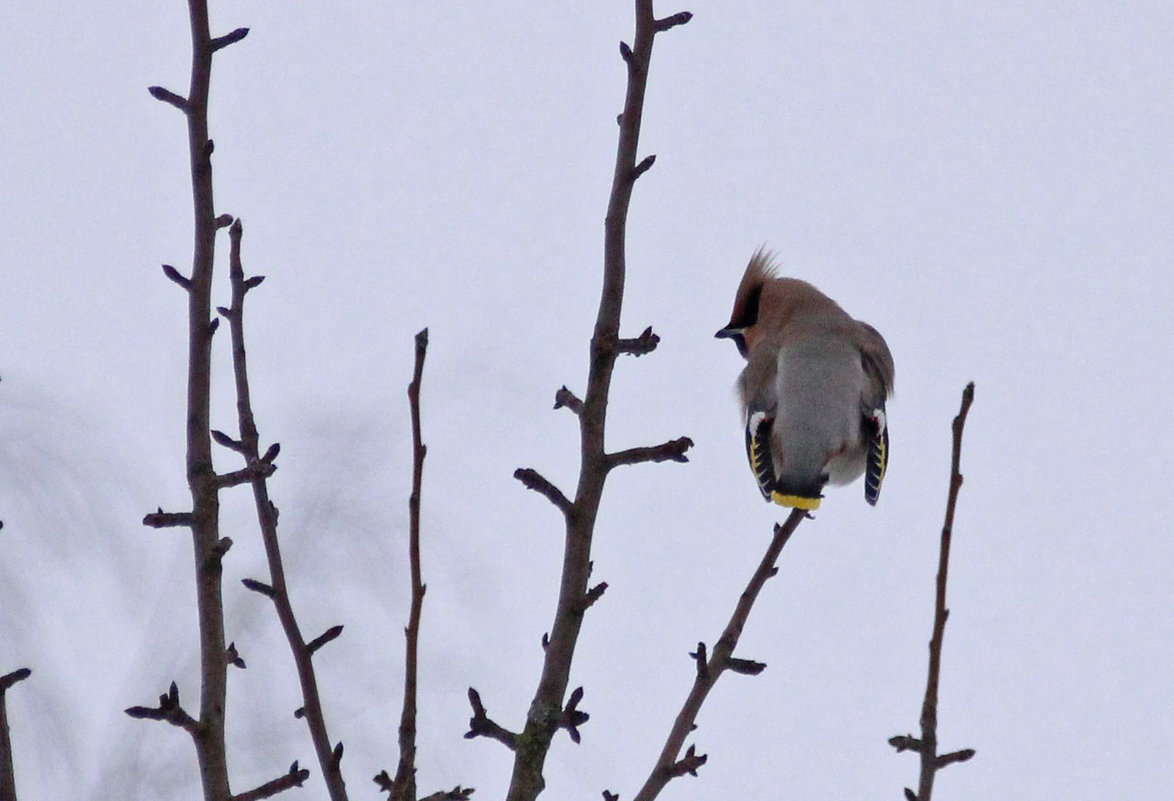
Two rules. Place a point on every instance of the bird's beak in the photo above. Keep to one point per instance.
(728, 332)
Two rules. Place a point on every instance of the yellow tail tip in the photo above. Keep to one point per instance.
(795, 501)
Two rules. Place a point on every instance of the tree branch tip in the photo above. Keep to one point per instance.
(910, 795)
(644, 166)
(645, 343)
(259, 586)
(701, 657)
(572, 717)
(680, 18)
(532, 480)
(954, 756)
(224, 220)
(746, 667)
(336, 754)
(161, 519)
(610, 796)
(906, 742)
(271, 453)
(221, 42)
(564, 398)
(671, 451)
(175, 275)
(9, 679)
(594, 594)
(481, 726)
(688, 763)
(331, 633)
(422, 338)
(233, 656)
(626, 54)
(222, 439)
(169, 97)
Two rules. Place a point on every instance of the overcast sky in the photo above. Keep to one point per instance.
(990, 185)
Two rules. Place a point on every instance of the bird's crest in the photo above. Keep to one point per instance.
(762, 268)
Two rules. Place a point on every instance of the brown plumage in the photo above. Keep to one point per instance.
(813, 390)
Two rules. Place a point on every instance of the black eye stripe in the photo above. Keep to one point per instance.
(749, 315)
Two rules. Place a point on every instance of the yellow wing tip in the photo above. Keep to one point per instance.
(795, 501)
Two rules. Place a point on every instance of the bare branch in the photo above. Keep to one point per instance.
(906, 742)
(645, 343)
(7, 772)
(15, 677)
(221, 42)
(644, 166)
(457, 793)
(223, 439)
(546, 708)
(233, 657)
(169, 710)
(747, 667)
(680, 18)
(708, 672)
(532, 480)
(175, 276)
(564, 398)
(954, 756)
(701, 657)
(404, 786)
(572, 718)
(594, 594)
(294, 778)
(688, 763)
(267, 518)
(246, 475)
(481, 726)
(169, 97)
(331, 633)
(161, 519)
(927, 745)
(671, 451)
(259, 586)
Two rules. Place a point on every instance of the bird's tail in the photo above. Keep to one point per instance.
(762, 465)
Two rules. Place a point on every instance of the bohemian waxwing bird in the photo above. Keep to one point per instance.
(813, 391)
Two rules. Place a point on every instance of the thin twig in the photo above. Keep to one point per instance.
(645, 343)
(927, 745)
(259, 467)
(668, 766)
(671, 451)
(404, 786)
(170, 711)
(480, 725)
(533, 480)
(294, 778)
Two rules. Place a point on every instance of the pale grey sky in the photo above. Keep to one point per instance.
(990, 185)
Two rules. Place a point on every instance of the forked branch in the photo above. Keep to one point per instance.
(926, 746)
(669, 765)
(256, 472)
(547, 713)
